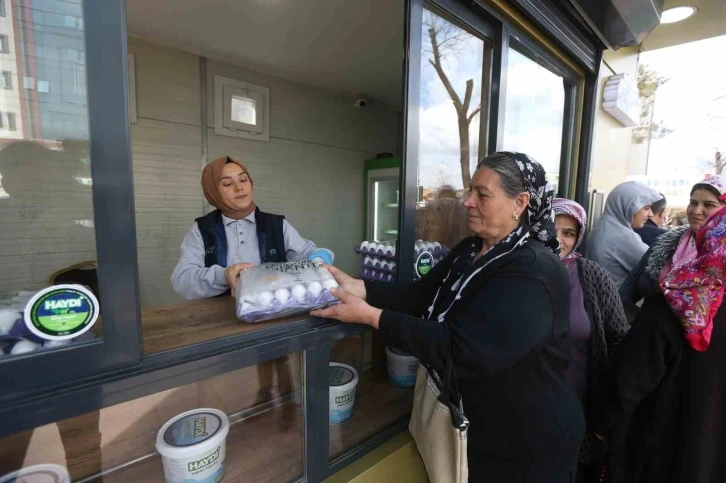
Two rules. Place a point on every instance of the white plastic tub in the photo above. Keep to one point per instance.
(193, 446)
(46, 473)
(402, 367)
(343, 379)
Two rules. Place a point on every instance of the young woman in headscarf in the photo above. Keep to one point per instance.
(499, 304)
(597, 321)
(612, 243)
(676, 246)
(234, 236)
(665, 419)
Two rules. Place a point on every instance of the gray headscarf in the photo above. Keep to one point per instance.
(613, 243)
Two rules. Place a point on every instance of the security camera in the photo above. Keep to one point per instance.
(361, 103)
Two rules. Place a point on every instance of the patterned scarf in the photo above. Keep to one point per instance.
(563, 206)
(694, 290)
(538, 216)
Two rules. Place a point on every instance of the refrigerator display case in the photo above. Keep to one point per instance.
(382, 185)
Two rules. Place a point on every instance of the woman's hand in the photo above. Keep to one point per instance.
(349, 284)
(231, 274)
(350, 309)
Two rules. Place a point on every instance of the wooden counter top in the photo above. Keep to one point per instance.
(187, 323)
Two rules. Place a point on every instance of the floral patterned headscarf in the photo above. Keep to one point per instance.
(694, 290)
(563, 206)
(538, 216)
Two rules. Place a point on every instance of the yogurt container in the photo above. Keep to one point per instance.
(343, 379)
(402, 368)
(46, 473)
(193, 446)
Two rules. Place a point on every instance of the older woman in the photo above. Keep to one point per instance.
(613, 243)
(666, 417)
(597, 319)
(499, 303)
(676, 246)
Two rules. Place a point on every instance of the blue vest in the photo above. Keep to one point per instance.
(270, 238)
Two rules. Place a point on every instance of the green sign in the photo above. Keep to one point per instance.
(424, 263)
(61, 312)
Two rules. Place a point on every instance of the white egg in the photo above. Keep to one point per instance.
(437, 245)
(324, 274)
(386, 266)
(55, 343)
(388, 250)
(328, 284)
(282, 295)
(23, 346)
(373, 247)
(368, 261)
(315, 289)
(393, 266)
(7, 319)
(393, 252)
(299, 292)
(264, 298)
(245, 307)
(364, 246)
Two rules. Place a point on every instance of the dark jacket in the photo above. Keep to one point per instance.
(650, 232)
(642, 282)
(270, 237)
(608, 326)
(509, 339)
(666, 414)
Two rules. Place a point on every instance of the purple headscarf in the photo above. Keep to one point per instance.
(563, 206)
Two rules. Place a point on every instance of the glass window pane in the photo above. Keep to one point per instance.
(46, 207)
(243, 110)
(452, 82)
(535, 104)
(265, 440)
(375, 403)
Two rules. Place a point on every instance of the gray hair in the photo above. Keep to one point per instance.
(510, 176)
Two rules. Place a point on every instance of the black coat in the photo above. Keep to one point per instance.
(650, 232)
(509, 334)
(666, 416)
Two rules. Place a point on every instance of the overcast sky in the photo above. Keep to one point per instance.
(689, 104)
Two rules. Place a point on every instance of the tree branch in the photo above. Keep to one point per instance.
(473, 113)
(467, 95)
(440, 71)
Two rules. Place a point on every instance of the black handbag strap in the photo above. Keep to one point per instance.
(456, 409)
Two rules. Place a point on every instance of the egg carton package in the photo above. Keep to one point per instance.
(381, 249)
(371, 274)
(15, 337)
(379, 264)
(274, 290)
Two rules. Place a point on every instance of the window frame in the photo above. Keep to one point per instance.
(4, 44)
(7, 75)
(224, 89)
(32, 375)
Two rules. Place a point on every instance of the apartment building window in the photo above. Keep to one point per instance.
(7, 121)
(4, 45)
(29, 82)
(6, 80)
(2, 8)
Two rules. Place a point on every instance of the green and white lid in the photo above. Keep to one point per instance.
(61, 312)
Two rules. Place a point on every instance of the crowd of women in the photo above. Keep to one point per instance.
(557, 383)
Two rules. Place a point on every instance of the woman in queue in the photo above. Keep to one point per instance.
(499, 304)
(665, 419)
(597, 322)
(676, 246)
(612, 243)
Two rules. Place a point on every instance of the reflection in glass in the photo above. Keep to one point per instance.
(46, 209)
(535, 105)
(452, 81)
(378, 402)
(265, 441)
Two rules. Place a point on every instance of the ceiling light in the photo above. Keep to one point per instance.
(676, 14)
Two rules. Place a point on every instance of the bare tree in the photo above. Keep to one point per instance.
(716, 163)
(442, 177)
(445, 38)
(648, 83)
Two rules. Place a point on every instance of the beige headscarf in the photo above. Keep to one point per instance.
(210, 185)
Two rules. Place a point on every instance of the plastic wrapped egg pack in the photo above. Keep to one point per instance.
(15, 337)
(274, 290)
